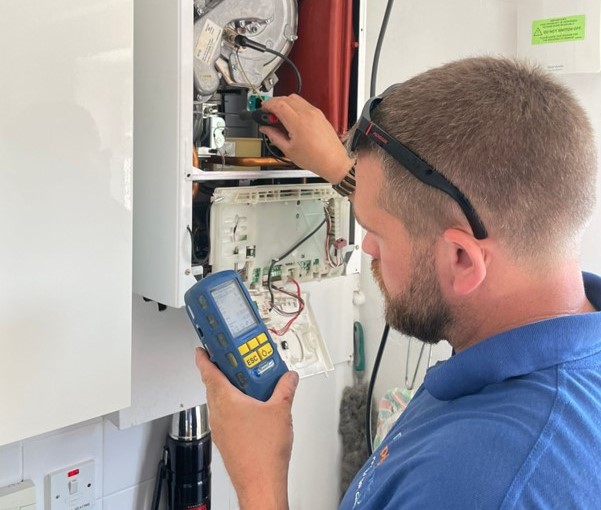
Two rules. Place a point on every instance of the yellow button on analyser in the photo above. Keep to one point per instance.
(262, 338)
(243, 349)
(265, 351)
(252, 359)
(252, 343)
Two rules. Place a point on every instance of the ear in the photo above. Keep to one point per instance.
(464, 261)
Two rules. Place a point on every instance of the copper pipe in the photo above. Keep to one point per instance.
(251, 161)
(195, 164)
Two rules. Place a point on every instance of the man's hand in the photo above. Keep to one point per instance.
(253, 437)
(310, 141)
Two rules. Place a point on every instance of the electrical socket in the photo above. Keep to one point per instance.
(19, 496)
(71, 488)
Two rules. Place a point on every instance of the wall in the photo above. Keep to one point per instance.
(125, 462)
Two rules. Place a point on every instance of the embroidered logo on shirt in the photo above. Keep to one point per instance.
(364, 485)
(383, 454)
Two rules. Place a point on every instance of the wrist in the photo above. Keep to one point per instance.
(347, 185)
(342, 170)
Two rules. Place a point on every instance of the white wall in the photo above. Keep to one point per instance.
(125, 462)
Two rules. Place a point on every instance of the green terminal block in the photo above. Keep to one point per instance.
(255, 102)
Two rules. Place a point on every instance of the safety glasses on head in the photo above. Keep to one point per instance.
(412, 162)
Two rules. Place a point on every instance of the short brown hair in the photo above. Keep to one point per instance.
(510, 137)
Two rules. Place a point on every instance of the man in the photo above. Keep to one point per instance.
(474, 183)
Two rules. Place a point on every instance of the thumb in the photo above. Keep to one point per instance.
(286, 388)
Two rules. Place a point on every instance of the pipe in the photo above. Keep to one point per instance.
(251, 161)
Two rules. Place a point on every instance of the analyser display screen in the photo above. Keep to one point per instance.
(234, 308)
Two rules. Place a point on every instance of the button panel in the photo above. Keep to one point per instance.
(256, 350)
(252, 359)
(265, 351)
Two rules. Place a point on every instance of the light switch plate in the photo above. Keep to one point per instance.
(71, 488)
(19, 496)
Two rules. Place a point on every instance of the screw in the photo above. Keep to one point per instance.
(187, 272)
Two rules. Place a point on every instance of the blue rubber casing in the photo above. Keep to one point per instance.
(226, 320)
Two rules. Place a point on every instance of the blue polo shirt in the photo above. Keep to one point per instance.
(512, 422)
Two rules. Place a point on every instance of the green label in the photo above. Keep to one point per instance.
(555, 30)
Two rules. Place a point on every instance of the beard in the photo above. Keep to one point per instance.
(421, 311)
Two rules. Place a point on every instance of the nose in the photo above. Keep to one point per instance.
(370, 245)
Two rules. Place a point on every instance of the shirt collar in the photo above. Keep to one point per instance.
(520, 351)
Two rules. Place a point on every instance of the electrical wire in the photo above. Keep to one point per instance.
(245, 42)
(297, 297)
(374, 373)
(248, 82)
(329, 241)
(195, 259)
(273, 154)
(158, 484)
(299, 81)
(374, 66)
(301, 307)
(370, 390)
(270, 288)
(410, 383)
(297, 361)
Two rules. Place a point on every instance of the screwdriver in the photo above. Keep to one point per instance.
(261, 117)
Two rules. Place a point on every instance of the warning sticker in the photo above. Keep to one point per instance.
(556, 30)
(208, 42)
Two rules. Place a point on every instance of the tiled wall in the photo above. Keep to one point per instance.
(125, 462)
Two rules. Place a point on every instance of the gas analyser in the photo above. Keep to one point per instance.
(231, 330)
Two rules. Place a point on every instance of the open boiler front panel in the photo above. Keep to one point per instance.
(210, 192)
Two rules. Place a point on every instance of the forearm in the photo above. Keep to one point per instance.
(266, 496)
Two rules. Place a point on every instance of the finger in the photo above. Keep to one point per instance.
(285, 388)
(276, 137)
(208, 371)
(217, 385)
(281, 108)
